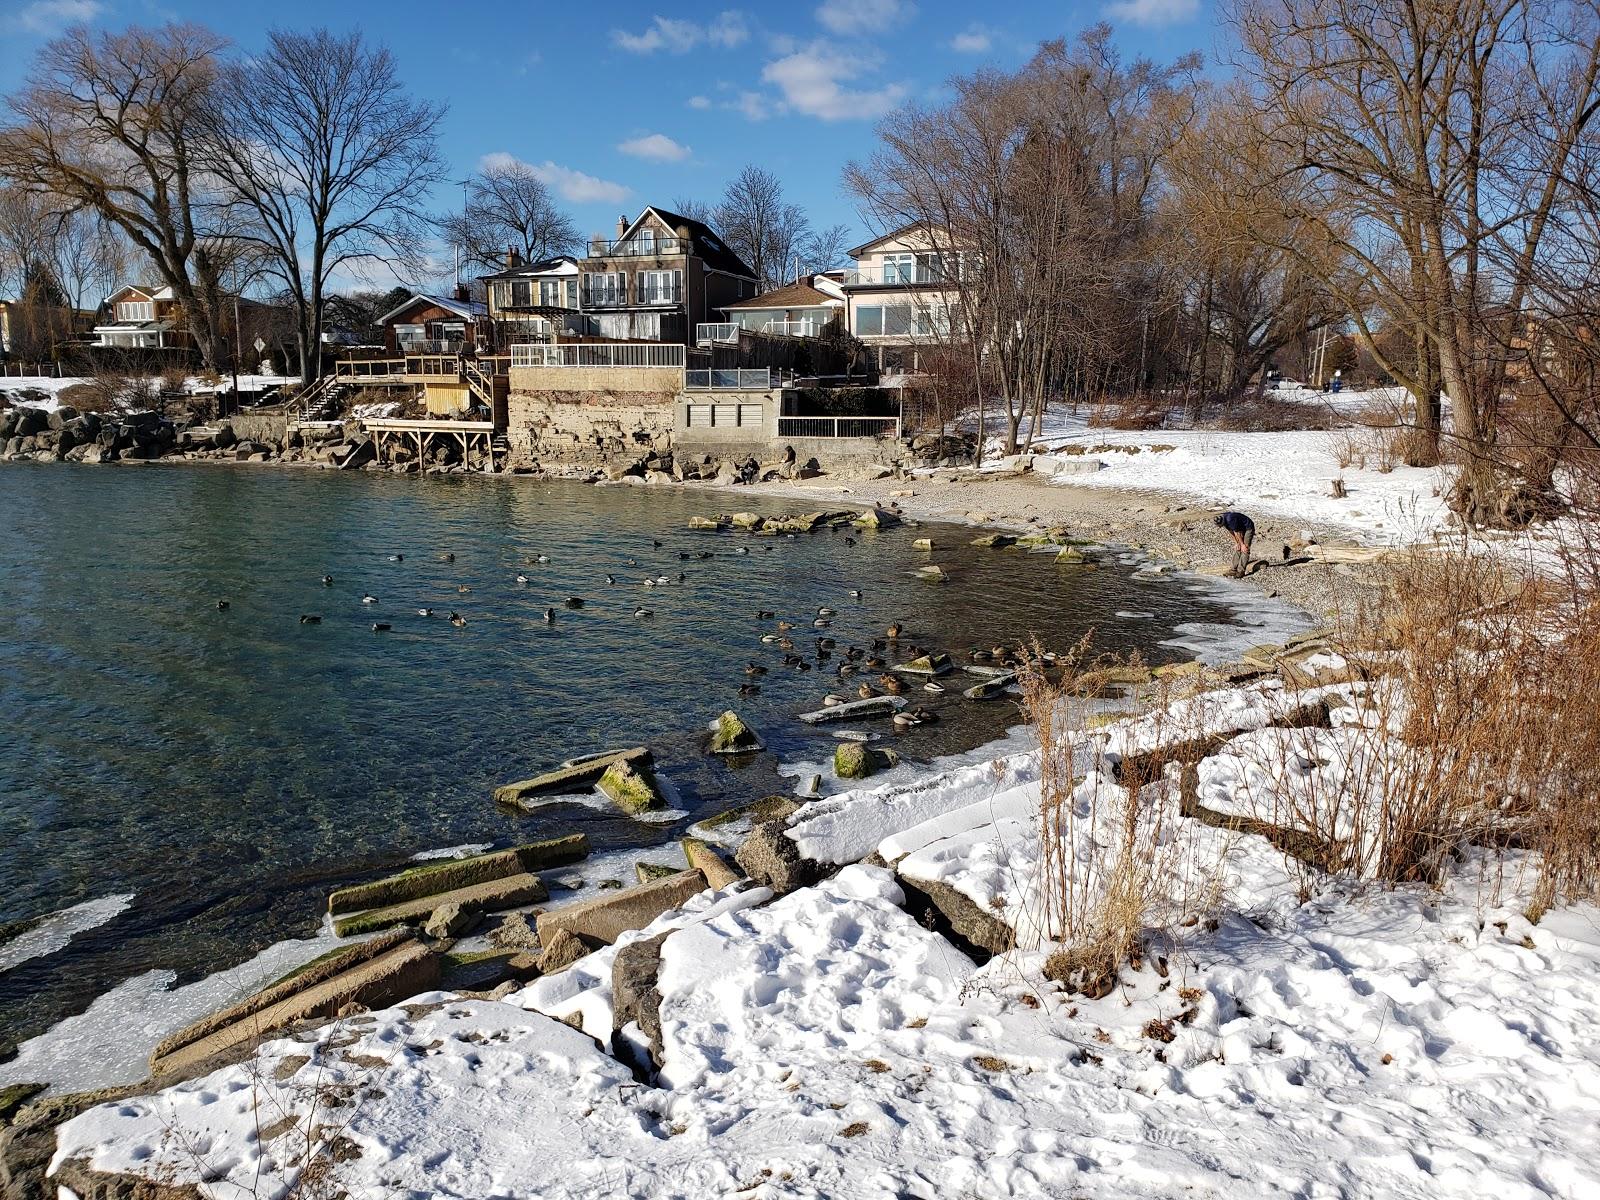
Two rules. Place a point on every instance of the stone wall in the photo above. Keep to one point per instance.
(259, 426)
(564, 430)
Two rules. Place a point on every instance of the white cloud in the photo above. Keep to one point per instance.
(657, 147)
(752, 104)
(727, 29)
(699, 102)
(813, 82)
(1153, 12)
(52, 16)
(864, 16)
(975, 39)
(575, 187)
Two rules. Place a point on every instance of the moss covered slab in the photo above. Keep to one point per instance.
(490, 897)
(571, 776)
(433, 878)
(633, 791)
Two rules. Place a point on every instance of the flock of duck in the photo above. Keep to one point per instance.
(868, 664)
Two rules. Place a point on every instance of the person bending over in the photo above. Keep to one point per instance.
(1243, 530)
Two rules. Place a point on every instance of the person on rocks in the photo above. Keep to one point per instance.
(1243, 530)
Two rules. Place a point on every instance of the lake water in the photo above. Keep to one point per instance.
(181, 786)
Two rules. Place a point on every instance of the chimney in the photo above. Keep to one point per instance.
(463, 293)
(622, 227)
(513, 259)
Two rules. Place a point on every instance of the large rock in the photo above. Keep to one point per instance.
(733, 736)
(633, 791)
(30, 421)
(606, 918)
(875, 518)
(374, 975)
(853, 760)
(634, 994)
(561, 949)
(456, 873)
(570, 775)
(770, 857)
(972, 924)
(452, 919)
(511, 892)
(28, 1143)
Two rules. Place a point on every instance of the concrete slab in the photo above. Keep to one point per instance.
(608, 917)
(489, 896)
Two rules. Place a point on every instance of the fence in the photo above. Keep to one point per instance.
(728, 380)
(721, 331)
(839, 427)
(602, 354)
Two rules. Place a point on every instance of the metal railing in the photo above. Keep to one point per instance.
(618, 297)
(729, 380)
(431, 345)
(600, 354)
(839, 427)
(716, 331)
(635, 247)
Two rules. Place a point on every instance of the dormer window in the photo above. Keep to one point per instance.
(130, 311)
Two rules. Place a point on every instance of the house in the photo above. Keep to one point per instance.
(428, 324)
(534, 301)
(799, 309)
(143, 318)
(900, 295)
(659, 278)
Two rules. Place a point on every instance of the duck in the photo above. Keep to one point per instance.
(543, 558)
(611, 580)
(765, 614)
(832, 701)
(663, 580)
(742, 550)
(785, 624)
(827, 643)
(749, 689)
(894, 631)
(792, 660)
(642, 613)
(381, 627)
(655, 543)
(854, 653)
(924, 716)
(821, 623)
(875, 663)
(327, 581)
(450, 557)
(752, 669)
(549, 616)
(981, 656)
(310, 619)
(458, 620)
(855, 593)
(903, 721)
(681, 577)
(649, 583)
(802, 665)
(573, 602)
(892, 684)
(222, 606)
(397, 558)
(824, 611)
(463, 590)
(424, 612)
(846, 670)
(866, 691)
(768, 639)
(632, 562)
(522, 579)
(786, 643)
(703, 555)
(684, 556)
(936, 688)
(849, 541)
(368, 598)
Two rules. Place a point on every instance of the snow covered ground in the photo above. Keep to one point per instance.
(1311, 1037)
(23, 389)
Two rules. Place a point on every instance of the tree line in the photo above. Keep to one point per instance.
(1419, 178)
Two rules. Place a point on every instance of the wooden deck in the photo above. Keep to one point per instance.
(474, 436)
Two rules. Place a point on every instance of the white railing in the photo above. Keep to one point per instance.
(899, 276)
(805, 327)
(601, 354)
(730, 380)
(721, 331)
(839, 427)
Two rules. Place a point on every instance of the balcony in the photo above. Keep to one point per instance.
(636, 247)
(806, 327)
(599, 354)
(432, 346)
(900, 276)
(652, 296)
(717, 331)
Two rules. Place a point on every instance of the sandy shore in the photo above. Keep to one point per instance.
(1119, 517)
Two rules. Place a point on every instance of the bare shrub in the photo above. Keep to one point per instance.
(1144, 410)
(1267, 414)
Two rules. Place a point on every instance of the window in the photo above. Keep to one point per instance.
(896, 320)
(405, 335)
(605, 287)
(869, 320)
(646, 238)
(887, 320)
(136, 310)
(899, 268)
(660, 287)
(552, 292)
(572, 292)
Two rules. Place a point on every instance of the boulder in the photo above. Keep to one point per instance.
(770, 857)
(747, 520)
(1071, 556)
(634, 994)
(561, 949)
(731, 735)
(606, 918)
(452, 919)
(922, 544)
(30, 421)
(970, 923)
(632, 790)
(928, 664)
(705, 523)
(514, 933)
(875, 518)
(510, 892)
(995, 541)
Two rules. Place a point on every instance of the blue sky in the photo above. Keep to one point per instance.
(626, 103)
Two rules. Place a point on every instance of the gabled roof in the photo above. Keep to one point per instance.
(793, 295)
(707, 244)
(463, 308)
(561, 264)
(155, 293)
(858, 251)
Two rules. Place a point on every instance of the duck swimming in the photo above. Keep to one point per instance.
(522, 579)
(368, 598)
(327, 581)
(424, 612)
(641, 613)
(549, 616)
(458, 620)
(381, 627)
(397, 558)
(310, 619)
(222, 606)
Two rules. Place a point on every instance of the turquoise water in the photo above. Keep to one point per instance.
(226, 768)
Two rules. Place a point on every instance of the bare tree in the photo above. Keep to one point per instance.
(1429, 143)
(328, 158)
(509, 207)
(695, 210)
(108, 124)
(756, 221)
(824, 249)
